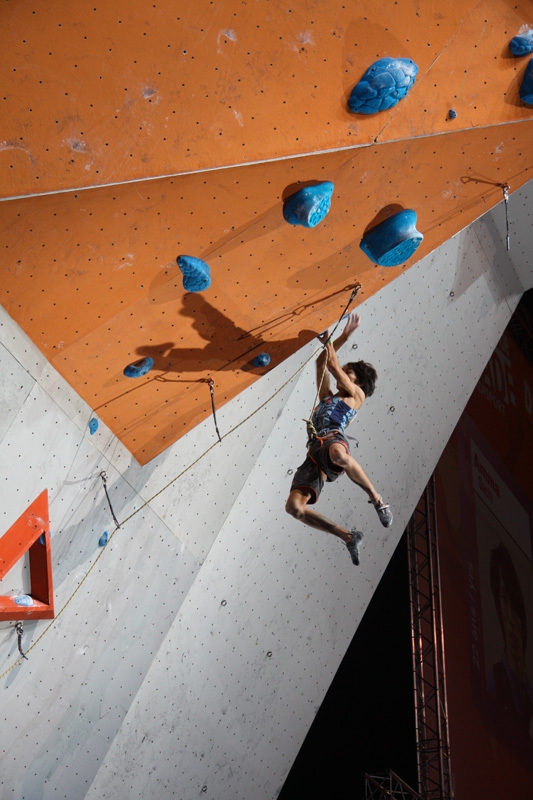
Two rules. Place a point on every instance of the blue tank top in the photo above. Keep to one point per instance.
(332, 413)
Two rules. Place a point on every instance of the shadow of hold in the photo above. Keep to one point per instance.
(513, 95)
(386, 213)
(267, 222)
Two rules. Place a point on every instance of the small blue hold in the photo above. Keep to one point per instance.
(139, 368)
(196, 273)
(394, 240)
(383, 85)
(102, 541)
(526, 90)
(309, 206)
(24, 600)
(93, 425)
(522, 44)
(262, 360)
(452, 113)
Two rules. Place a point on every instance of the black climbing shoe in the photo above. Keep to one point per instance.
(353, 545)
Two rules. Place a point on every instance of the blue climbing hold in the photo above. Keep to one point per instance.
(23, 600)
(93, 425)
(522, 44)
(383, 85)
(196, 273)
(139, 368)
(262, 360)
(526, 90)
(104, 538)
(394, 240)
(452, 113)
(309, 206)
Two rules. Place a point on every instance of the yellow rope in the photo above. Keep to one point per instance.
(150, 500)
(311, 432)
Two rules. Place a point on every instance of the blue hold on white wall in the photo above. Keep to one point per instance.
(383, 85)
(309, 205)
(394, 240)
(196, 273)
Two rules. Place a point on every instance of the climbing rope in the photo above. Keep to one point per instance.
(146, 503)
(311, 430)
(118, 525)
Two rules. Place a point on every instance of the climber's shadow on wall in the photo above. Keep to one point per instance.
(227, 346)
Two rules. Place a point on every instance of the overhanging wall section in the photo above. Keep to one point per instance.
(93, 280)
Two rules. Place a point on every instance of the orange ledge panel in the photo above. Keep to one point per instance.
(30, 534)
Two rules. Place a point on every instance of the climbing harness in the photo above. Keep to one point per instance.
(104, 481)
(211, 383)
(506, 188)
(20, 631)
(311, 430)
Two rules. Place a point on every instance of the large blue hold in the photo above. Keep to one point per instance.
(309, 206)
(526, 90)
(394, 240)
(522, 44)
(196, 273)
(384, 83)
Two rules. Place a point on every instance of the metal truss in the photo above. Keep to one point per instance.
(431, 713)
(388, 787)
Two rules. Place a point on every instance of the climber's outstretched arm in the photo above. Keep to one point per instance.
(322, 376)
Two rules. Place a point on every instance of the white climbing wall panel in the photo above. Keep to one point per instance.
(189, 656)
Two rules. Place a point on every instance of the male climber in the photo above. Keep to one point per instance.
(329, 455)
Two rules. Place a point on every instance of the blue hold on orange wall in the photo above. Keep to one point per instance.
(383, 85)
(394, 240)
(309, 205)
(196, 273)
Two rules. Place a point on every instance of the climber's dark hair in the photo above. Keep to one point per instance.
(366, 376)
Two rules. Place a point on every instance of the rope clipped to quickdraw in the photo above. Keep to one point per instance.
(311, 430)
(211, 383)
(104, 481)
(20, 631)
(506, 188)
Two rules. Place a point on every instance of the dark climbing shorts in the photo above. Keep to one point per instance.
(310, 476)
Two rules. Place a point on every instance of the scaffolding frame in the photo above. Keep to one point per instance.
(388, 787)
(429, 669)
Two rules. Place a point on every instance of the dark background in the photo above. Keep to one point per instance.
(366, 722)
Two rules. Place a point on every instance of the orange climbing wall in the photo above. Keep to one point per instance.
(136, 132)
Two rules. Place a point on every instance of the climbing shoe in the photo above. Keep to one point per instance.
(353, 545)
(384, 513)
